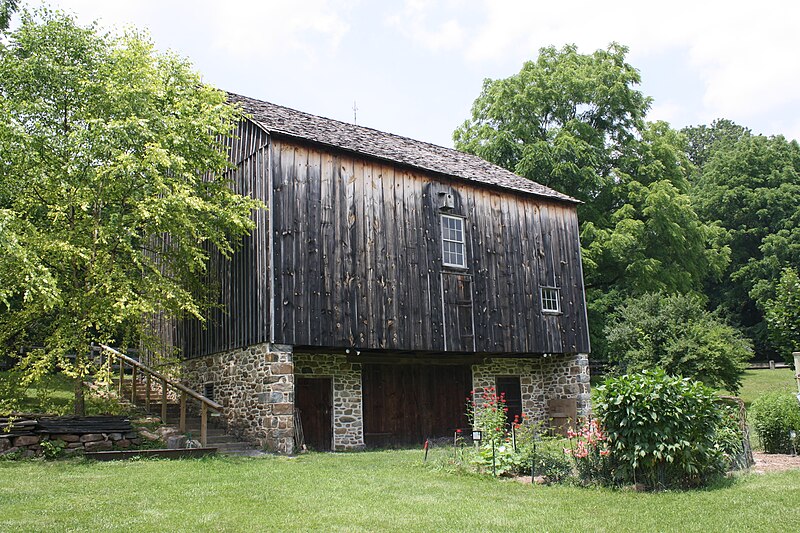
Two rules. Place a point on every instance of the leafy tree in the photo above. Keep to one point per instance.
(7, 8)
(112, 188)
(783, 314)
(703, 141)
(676, 333)
(753, 190)
(576, 123)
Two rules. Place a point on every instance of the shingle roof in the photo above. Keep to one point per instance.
(387, 146)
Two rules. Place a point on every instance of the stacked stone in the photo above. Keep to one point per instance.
(256, 387)
(541, 378)
(31, 445)
(348, 420)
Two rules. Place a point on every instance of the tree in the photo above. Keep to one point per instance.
(576, 123)
(753, 190)
(676, 333)
(704, 141)
(783, 314)
(112, 189)
(7, 8)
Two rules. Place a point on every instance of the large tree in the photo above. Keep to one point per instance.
(752, 187)
(576, 122)
(112, 188)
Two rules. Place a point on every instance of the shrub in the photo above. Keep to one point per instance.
(661, 429)
(774, 415)
(676, 333)
(588, 446)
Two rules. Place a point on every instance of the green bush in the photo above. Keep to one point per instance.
(661, 429)
(773, 416)
(676, 333)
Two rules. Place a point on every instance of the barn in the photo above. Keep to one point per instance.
(387, 279)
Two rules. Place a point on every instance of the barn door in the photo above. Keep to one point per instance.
(313, 399)
(459, 335)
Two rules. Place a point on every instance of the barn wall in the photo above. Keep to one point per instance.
(358, 260)
(241, 317)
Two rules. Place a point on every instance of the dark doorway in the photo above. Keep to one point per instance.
(509, 387)
(405, 403)
(313, 399)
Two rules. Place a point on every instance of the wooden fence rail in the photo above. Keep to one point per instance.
(184, 391)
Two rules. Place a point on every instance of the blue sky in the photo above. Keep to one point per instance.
(414, 67)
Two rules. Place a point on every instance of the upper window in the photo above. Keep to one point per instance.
(551, 299)
(453, 248)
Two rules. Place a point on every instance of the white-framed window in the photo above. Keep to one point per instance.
(453, 242)
(551, 299)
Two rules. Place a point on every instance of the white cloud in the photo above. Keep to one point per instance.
(744, 53)
(270, 27)
(415, 23)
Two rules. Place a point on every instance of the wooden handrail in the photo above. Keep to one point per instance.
(180, 386)
(205, 403)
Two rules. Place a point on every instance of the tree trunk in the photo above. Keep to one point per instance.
(80, 400)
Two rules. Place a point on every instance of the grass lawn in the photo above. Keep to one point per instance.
(371, 491)
(757, 382)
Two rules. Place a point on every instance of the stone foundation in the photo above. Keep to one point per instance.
(256, 387)
(348, 420)
(542, 378)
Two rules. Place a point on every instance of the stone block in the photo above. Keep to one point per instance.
(26, 440)
(74, 445)
(92, 437)
(4, 444)
(9, 451)
(66, 437)
(123, 443)
(114, 436)
(282, 409)
(281, 368)
(98, 445)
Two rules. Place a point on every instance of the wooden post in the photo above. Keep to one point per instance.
(203, 424)
(133, 385)
(147, 394)
(121, 375)
(163, 401)
(796, 356)
(182, 426)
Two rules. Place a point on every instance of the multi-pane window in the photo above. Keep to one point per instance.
(453, 248)
(551, 299)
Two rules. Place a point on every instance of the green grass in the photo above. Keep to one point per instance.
(757, 382)
(371, 491)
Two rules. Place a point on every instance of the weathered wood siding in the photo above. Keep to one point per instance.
(358, 260)
(242, 317)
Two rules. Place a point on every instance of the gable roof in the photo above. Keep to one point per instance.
(426, 156)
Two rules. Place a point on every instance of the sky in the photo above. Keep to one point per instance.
(414, 67)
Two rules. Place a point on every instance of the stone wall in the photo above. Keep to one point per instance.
(541, 378)
(348, 424)
(72, 443)
(256, 387)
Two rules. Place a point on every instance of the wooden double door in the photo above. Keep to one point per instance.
(313, 400)
(406, 403)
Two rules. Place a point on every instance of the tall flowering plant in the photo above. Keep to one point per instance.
(589, 448)
(487, 412)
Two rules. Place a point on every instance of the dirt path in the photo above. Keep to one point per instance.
(774, 462)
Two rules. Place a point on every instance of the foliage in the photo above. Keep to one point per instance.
(7, 9)
(661, 429)
(53, 449)
(676, 333)
(112, 190)
(548, 459)
(575, 122)
(773, 416)
(703, 141)
(12, 392)
(487, 413)
(729, 438)
(588, 446)
(752, 187)
(783, 314)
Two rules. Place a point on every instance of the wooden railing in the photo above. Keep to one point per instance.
(184, 391)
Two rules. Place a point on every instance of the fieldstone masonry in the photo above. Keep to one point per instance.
(541, 378)
(256, 386)
(348, 421)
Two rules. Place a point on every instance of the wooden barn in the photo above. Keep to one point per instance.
(386, 280)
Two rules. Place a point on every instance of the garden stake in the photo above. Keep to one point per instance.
(494, 466)
(425, 447)
(514, 437)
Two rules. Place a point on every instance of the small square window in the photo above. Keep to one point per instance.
(551, 299)
(453, 242)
